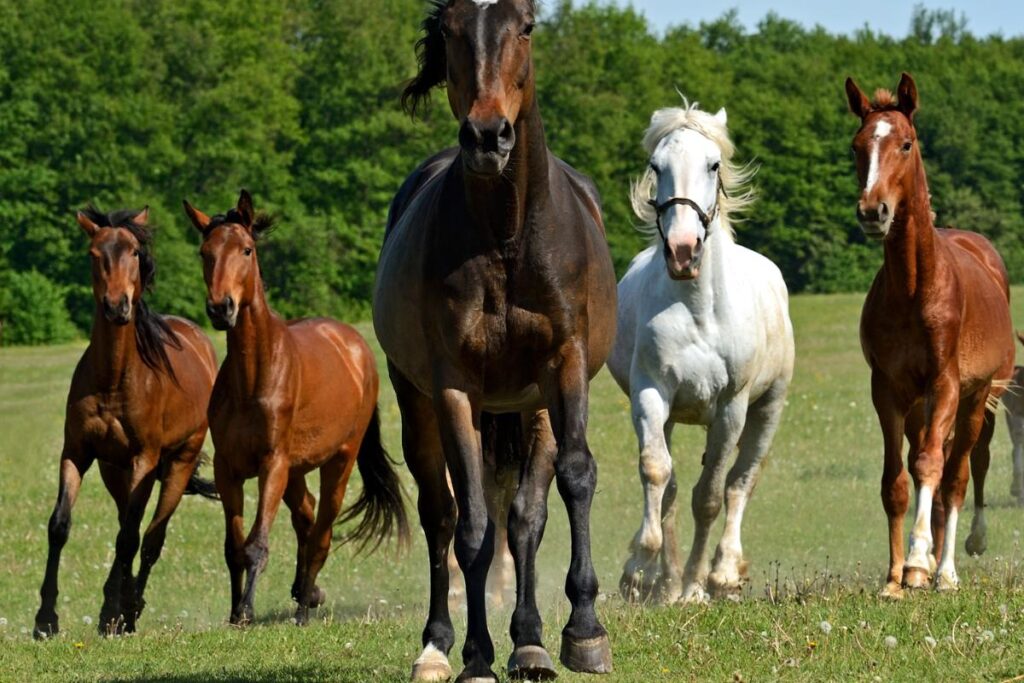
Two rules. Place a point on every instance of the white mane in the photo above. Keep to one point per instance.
(737, 196)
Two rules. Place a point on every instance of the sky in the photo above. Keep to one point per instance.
(984, 17)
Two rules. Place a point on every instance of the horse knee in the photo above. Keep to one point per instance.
(576, 474)
(705, 504)
(59, 527)
(895, 493)
(470, 539)
(655, 467)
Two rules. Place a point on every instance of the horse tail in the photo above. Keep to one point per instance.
(501, 435)
(381, 504)
(197, 486)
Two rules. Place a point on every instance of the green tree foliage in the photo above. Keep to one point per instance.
(135, 102)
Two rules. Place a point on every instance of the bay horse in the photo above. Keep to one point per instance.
(495, 304)
(704, 337)
(936, 333)
(137, 405)
(291, 397)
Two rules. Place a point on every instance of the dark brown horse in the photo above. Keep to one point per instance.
(495, 304)
(138, 406)
(936, 332)
(290, 398)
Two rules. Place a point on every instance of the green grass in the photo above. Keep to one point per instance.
(815, 533)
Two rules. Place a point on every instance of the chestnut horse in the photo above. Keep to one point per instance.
(290, 398)
(495, 305)
(137, 405)
(936, 332)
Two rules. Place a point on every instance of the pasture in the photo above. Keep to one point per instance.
(815, 535)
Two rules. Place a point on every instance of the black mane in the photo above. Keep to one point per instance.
(432, 59)
(152, 333)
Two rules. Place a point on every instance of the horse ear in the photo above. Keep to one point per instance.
(907, 92)
(721, 116)
(858, 101)
(199, 219)
(88, 226)
(141, 219)
(244, 207)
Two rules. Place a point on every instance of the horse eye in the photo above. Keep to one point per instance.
(528, 29)
(907, 145)
(135, 253)
(248, 251)
(715, 166)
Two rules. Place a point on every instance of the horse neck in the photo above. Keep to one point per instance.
(114, 353)
(251, 342)
(499, 205)
(910, 252)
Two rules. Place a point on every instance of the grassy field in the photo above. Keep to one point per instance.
(815, 533)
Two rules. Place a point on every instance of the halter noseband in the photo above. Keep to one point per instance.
(705, 218)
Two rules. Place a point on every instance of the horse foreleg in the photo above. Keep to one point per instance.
(72, 468)
(709, 491)
(458, 420)
(119, 610)
(585, 645)
(641, 576)
(928, 466)
(302, 505)
(730, 567)
(273, 480)
(895, 480)
(421, 444)
(527, 518)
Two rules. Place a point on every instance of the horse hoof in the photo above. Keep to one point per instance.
(590, 655)
(891, 591)
(465, 677)
(945, 583)
(431, 666)
(42, 631)
(915, 577)
(532, 663)
(976, 544)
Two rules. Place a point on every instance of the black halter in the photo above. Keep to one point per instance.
(705, 218)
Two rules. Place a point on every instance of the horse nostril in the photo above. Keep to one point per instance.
(506, 136)
(229, 305)
(883, 212)
(469, 135)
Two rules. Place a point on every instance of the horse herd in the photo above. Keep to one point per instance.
(495, 304)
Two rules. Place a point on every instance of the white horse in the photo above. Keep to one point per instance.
(704, 337)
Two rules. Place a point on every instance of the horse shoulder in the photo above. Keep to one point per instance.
(584, 189)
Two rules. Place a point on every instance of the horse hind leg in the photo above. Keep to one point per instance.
(708, 494)
(730, 567)
(333, 483)
(302, 504)
(527, 518)
(119, 610)
(72, 469)
(977, 540)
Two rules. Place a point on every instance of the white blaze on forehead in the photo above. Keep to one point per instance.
(882, 129)
(485, 3)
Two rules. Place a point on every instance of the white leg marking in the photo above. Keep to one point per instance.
(921, 534)
(946, 578)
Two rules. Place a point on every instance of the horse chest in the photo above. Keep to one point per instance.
(107, 426)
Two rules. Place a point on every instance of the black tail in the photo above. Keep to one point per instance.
(197, 486)
(501, 435)
(381, 504)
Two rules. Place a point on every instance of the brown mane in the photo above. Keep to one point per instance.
(885, 100)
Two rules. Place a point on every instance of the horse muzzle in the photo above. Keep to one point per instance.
(224, 314)
(683, 261)
(875, 220)
(486, 146)
(119, 313)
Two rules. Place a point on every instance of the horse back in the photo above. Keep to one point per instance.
(335, 363)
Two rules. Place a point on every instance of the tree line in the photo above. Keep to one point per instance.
(136, 102)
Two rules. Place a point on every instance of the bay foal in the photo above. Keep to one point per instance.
(936, 332)
(291, 397)
(137, 405)
(495, 304)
